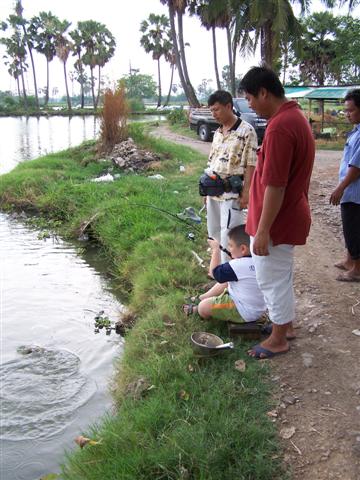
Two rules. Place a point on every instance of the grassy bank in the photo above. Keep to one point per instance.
(177, 417)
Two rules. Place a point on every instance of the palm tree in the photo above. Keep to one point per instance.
(63, 49)
(21, 21)
(208, 20)
(44, 30)
(99, 46)
(156, 39)
(170, 58)
(176, 11)
(77, 50)
(15, 57)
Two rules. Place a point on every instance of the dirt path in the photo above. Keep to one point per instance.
(319, 380)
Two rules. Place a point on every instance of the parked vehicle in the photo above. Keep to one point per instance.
(202, 121)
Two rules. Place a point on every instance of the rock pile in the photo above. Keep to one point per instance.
(127, 156)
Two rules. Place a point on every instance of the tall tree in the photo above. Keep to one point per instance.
(99, 46)
(78, 50)
(21, 21)
(176, 12)
(170, 58)
(15, 56)
(156, 39)
(44, 29)
(63, 49)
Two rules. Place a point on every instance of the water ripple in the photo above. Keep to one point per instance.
(41, 392)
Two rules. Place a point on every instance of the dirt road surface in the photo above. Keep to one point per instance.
(317, 408)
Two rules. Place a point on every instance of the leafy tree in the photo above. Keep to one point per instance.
(22, 22)
(78, 50)
(99, 46)
(347, 49)
(156, 39)
(63, 49)
(44, 29)
(138, 85)
(176, 12)
(316, 62)
(204, 90)
(15, 56)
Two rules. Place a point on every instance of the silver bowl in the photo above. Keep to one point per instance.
(207, 344)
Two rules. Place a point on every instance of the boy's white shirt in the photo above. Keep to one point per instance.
(245, 292)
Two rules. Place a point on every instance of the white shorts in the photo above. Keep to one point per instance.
(221, 217)
(274, 274)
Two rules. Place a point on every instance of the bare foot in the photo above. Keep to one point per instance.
(343, 265)
(348, 277)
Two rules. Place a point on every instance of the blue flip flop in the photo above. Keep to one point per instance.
(258, 350)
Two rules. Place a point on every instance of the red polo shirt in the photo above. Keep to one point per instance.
(285, 159)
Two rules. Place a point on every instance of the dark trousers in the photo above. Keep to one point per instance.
(350, 216)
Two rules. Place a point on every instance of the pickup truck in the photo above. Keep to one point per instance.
(202, 121)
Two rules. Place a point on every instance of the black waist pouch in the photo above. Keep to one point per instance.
(211, 186)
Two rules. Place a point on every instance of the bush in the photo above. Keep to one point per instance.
(113, 127)
(178, 116)
(136, 105)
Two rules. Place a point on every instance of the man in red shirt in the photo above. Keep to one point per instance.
(279, 213)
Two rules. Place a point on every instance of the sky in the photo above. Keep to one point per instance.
(123, 19)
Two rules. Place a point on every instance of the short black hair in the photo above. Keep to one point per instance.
(221, 96)
(353, 95)
(262, 77)
(239, 236)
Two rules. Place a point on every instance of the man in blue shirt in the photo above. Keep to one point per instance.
(347, 193)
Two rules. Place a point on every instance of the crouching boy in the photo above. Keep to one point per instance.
(236, 296)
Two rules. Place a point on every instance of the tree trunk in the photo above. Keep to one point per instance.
(286, 61)
(159, 84)
(99, 88)
(267, 44)
(218, 84)
(171, 82)
(81, 81)
(47, 83)
(231, 66)
(23, 86)
(32, 66)
(67, 87)
(18, 87)
(176, 50)
(92, 86)
(194, 102)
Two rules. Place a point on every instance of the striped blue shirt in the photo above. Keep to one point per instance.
(351, 158)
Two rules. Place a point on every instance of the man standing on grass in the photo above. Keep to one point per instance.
(279, 213)
(233, 153)
(347, 193)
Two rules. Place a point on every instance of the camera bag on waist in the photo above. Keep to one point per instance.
(211, 186)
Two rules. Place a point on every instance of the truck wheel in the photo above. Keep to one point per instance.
(204, 132)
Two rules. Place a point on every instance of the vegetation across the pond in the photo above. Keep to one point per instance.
(177, 417)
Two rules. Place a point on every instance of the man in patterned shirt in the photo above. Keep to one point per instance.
(233, 152)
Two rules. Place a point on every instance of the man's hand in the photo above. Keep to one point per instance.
(214, 244)
(336, 195)
(261, 244)
(244, 199)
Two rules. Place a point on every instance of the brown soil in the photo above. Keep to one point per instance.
(318, 401)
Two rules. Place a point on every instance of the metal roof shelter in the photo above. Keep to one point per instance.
(330, 93)
(321, 95)
(297, 92)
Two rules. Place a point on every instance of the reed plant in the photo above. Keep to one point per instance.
(113, 126)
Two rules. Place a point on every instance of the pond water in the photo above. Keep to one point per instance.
(55, 371)
(24, 138)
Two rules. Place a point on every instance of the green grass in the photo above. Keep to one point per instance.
(197, 419)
